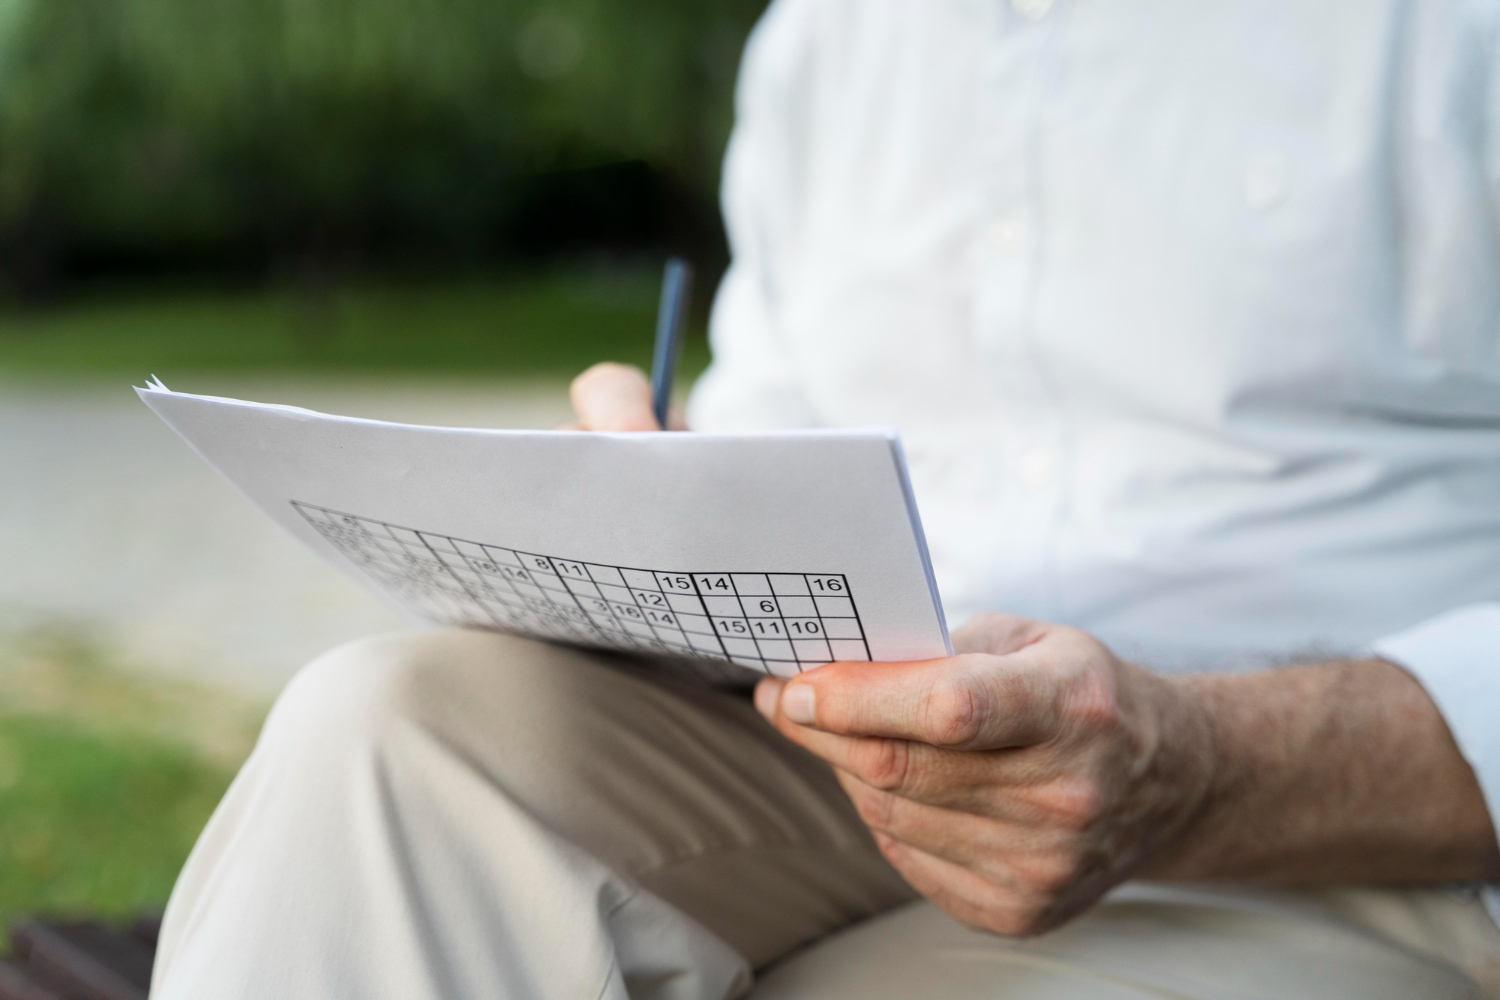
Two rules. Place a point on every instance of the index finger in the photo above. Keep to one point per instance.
(967, 702)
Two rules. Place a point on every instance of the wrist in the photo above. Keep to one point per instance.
(1186, 763)
(1220, 733)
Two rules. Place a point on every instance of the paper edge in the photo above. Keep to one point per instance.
(313, 542)
(155, 387)
(898, 456)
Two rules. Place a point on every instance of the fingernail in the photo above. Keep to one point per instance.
(766, 694)
(798, 704)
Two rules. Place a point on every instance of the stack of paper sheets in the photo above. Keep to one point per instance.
(721, 554)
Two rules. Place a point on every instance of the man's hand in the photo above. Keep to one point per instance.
(615, 397)
(1012, 784)
(1015, 783)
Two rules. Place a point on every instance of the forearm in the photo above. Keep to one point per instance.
(1340, 772)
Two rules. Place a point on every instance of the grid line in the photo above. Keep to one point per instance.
(776, 623)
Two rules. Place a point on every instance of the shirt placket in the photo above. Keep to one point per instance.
(1008, 258)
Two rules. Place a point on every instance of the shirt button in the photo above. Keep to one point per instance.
(1031, 10)
(1007, 233)
(1038, 468)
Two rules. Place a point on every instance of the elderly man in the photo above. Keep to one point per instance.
(1189, 314)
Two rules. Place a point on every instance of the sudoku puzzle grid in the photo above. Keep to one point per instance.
(779, 623)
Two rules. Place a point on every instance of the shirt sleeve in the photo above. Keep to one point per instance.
(752, 383)
(1456, 657)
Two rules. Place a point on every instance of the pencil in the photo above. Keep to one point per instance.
(671, 317)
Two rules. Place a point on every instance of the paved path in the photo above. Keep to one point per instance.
(109, 524)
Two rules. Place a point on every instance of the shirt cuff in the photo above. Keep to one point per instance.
(1456, 658)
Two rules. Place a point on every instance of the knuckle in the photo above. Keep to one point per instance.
(890, 848)
(883, 764)
(1091, 702)
(1029, 922)
(1012, 919)
(985, 920)
(1073, 805)
(592, 374)
(1043, 876)
(603, 379)
(1008, 908)
(612, 369)
(876, 808)
(957, 709)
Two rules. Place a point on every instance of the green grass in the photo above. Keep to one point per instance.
(542, 323)
(96, 823)
(106, 778)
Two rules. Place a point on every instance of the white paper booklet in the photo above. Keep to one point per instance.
(726, 555)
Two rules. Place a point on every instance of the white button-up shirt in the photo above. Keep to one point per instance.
(1188, 313)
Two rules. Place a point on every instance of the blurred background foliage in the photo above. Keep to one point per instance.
(304, 140)
(398, 186)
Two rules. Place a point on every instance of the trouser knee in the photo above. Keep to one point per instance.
(448, 681)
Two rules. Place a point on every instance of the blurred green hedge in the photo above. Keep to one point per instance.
(162, 130)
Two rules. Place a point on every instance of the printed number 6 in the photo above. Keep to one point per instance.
(768, 607)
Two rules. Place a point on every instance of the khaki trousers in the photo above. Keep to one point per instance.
(466, 815)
